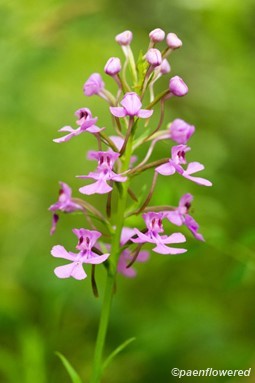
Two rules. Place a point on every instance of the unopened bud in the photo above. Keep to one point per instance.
(165, 67)
(177, 86)
(113, 66)
(157, 35)
(173, 41)
(124, 38)
(153, 56)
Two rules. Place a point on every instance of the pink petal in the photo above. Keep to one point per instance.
(145, 113)
(175, 218)
(99, 187)
(165, 169)
(73, 269)
(97, 259)
(198, 180)
(93, 129)
(60, 252)
(194, 167)
(162, 249)
(118, 111)
(175, 238)
(64, 138)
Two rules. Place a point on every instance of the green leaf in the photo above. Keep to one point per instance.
(142, 66)
(117, 351)
(69, 368)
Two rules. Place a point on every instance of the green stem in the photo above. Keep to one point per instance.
(111, 273)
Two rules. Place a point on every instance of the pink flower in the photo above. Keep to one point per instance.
(64, 204)
(87, 239)
(154, 225)
(178, 159)
(94, 85)
(180, 131)
(178, 87)
(126, 257)
(180, 216)
(124, 38)
(85, 122)
(173, 41)
(113, 66)
(157, 35)
(102, 174)
(153, 56)
(131, 106)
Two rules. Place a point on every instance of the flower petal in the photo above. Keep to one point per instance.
(162, 249)
(97, 259)
(145, 113)
(73, 269)
(99, 187)
(194, 167)
(118, 111)
(60, 252)
(165, 169)
(197, 180)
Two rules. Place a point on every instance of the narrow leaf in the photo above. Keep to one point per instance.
(69, 368)
(117, 351)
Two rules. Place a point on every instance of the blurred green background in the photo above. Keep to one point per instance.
(189, 311)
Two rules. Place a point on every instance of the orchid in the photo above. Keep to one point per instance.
(65, 204)
(178, 159)
(180, 131)
(131, 106)
(87, 239)
(180, 216)
(86, 124)
(102, 174)
(154, 225)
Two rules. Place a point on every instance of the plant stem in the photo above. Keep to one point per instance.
(111, 272)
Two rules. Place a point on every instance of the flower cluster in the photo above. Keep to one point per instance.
(135, 124)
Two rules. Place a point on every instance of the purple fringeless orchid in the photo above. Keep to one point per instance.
(131, 106)
(175, 165)
(180, 216)
(86, 124)
(154, 225)
(64, 204)
(86, 241)
(103, 173)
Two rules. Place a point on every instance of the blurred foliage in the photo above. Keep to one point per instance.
(189, 311)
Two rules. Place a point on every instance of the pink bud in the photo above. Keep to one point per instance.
(94, 85)
(113, 66)
(153, 56)
(173, 41)
(181, 131)
(177, 86)
(124, 38)
(165, 67)
(157, 35)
